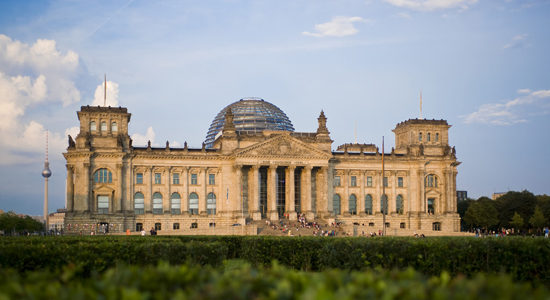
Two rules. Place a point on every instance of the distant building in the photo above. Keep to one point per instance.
(496, 195)
(57, 219)
(461, 195)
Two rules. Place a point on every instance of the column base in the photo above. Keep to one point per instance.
(273, 215)
(293, 216)
(310, 215)
(256, 216)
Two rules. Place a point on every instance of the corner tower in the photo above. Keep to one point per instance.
(422, 137)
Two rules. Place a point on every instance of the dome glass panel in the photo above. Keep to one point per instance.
(252, 115)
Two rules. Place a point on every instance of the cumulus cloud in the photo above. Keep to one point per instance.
(32, 75)
(141, 140)
(513, 111)
(431, 5)
(517, 42)
(339, 26)
(112, 94)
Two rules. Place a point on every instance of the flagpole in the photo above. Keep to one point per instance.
(420, 104)
(105, 92)
(384, 198)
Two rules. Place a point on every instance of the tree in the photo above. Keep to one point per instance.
(517, 221)
(523, 203)
(461, 208)
(10, 221)
(537, 220)
(482, 213)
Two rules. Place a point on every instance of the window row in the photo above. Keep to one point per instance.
(353, 181)
(175, 226)
(175, 204)
(176, 178)
(428, 137)
(93, 126)
(352, 203)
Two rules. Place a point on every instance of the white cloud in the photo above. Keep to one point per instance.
(141, 140)
(517, 42)
(513, 111)
(431, 5)
(32, 75)
(112, 94)
(339, 26)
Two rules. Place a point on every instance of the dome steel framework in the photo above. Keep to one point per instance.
(252, 115)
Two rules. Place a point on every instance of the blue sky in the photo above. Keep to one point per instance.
(481, 65)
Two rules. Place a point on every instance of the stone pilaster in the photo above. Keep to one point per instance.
(272, 192)
(307, 192)
(290, 193)
(70, 188)
(254, 193)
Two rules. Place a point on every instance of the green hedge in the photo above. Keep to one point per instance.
(193, 282)
(98, 254)
(525, 259)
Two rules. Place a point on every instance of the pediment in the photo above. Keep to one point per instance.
(104, 190)
(282, 146)
(433, 192)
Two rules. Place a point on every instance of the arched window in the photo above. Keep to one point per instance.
(431, 180)
(93, 127)
(428, 137)
(103, 176)
(103, 126)
(336, 205)
(384, 208)
(114, 127)
(102, 204)
(352, 204)
(211, 204)
(368, 204)
(399, 204)
(157, 204)
(437, 137)
(139, 204)
(176, 204)
(194, 204)
(420, 136)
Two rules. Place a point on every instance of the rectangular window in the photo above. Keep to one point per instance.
(385, 181)
(212, 224)
(193, 178)
(139, 226)
(369, 181)
(176, 226)
(139, 178)
(431, 205)
(157, 178)
(336, 180)
(103, 204)
(353, 181)
(437, 137)
(175, 178)
(194, 225)
(211, 179)
(399, 181)
(158, 226)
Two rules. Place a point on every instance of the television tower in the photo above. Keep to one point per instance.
(46, 174)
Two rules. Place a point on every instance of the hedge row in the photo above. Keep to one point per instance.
(193, 282)
(97, 254)
(525, 259)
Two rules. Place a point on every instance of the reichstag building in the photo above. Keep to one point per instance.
(254, 164)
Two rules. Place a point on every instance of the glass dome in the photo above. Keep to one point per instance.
(251, 114)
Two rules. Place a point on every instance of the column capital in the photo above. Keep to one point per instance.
(255, 167)
(185, 168)
(273, 167)
(324, 168)
(237, 167)
(308, 167)
(86, 165)
(291, 167)
(70, 167)
(119, 166)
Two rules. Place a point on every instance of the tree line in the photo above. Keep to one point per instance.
(519, 210)
(10, 222)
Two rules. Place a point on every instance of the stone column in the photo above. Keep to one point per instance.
(377, 199)
(392, 207)
(185, 196)
(453, 190)
(237, 203)
(307, 192)
(148, 202)
(118, 193)
(202, 204)
(423, 199)
(167, 205)
(322, 191)
(290, 193)
(70, 188)
(272, 192)
(361, 200)
(254, 193)
(345, 198)
(88, 183)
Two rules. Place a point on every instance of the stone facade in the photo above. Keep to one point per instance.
(267, 175)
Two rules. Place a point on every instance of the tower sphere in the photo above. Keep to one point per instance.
(252, 115)
(46, 173)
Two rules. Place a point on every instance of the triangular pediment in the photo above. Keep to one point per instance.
(433, 192)
(282, 146)
(104, 190)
